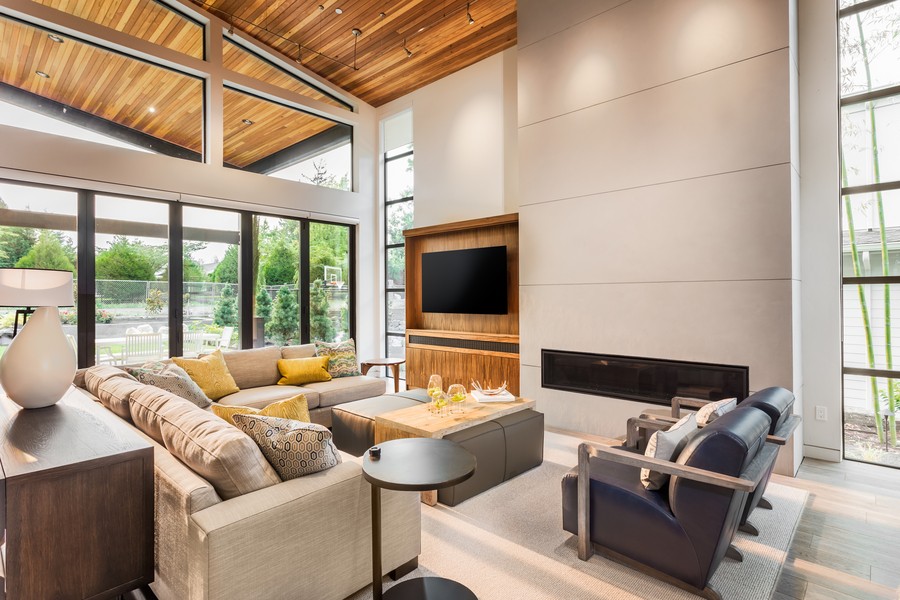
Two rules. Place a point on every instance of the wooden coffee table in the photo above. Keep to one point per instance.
(418, 422)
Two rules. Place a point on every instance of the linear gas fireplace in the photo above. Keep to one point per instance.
(641, 379)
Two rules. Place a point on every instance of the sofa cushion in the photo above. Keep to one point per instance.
(347, 389)
(148, 404)
(210, 373)
(218, 452)
(254, 367)
(115, 394)
(96, 375)
(666, 445)
(172, 378)
(297, 371)
(293, 448)
(302, 351)
(293, 408)
(260, 397)
(353, 425)
(341, 358)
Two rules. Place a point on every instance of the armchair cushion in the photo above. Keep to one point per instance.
(667, 445)
(714, 410)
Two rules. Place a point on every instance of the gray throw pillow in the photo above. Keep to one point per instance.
(171, 378)
(667, 445)
(293, 448)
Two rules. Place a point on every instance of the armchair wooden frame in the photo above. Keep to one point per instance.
(746, 483)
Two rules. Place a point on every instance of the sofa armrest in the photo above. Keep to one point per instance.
(304, 538)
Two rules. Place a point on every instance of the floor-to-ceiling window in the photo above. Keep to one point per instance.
(398, 216)
(870, 208)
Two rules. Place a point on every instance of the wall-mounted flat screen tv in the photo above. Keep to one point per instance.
(471, 281)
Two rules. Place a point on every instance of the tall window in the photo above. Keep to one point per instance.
(870, 207)
(398, 216)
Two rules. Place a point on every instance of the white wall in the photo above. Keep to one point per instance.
(464, 136)
(658, 177)
(820, 228)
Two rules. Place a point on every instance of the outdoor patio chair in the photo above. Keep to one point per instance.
(142, 347)
(225, 341)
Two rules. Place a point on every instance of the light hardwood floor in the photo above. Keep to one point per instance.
(847, 545)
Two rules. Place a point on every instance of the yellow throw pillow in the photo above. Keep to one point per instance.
(297, 371)
(210, 373)
(295, 409)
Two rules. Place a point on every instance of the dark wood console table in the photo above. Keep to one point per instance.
(76, 501)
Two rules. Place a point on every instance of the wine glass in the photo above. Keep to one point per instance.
(457, 393)
(435, 390)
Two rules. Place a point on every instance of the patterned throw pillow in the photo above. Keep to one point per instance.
(667, 445)
(210, 373)
(295, 408)
(341, 358)
(172, 378)
(712, 411)
(294, 449)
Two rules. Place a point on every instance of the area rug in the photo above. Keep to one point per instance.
(509, 543)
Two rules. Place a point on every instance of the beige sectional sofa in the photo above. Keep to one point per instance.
(306, 538)
(256, 373)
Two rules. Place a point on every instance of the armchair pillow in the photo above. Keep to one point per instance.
(712, 411)
(210, 373)
(342, 358)
(297, 371)
(666, 445)
(295, 408)
(293, 449)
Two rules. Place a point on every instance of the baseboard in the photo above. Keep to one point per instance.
(829, 454)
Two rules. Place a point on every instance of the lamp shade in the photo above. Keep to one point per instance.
(35, 287)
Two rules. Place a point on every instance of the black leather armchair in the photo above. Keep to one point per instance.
(776, 402)
(680, 533)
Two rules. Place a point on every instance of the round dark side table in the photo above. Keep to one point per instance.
(415, 465)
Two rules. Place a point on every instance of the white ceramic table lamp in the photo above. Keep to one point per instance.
(39, 365)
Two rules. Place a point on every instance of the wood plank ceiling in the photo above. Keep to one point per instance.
(168, 106)
(437, 32)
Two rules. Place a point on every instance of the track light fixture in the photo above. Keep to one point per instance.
(407, 50)
(469, 15)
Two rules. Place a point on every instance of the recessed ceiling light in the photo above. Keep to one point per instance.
(338, 11)
(42, 74)
(151, 109)
(55, 38)
(246, 121)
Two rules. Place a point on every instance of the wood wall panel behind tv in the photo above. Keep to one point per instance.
(458, 353)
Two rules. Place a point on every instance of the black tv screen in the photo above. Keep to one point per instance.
(469, 281)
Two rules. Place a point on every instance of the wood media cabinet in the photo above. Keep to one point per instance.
(463, 347)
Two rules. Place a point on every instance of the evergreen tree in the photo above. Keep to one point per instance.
(227, 270)
(126, 260)
(280, 266)
(263, 304)
(285, 323)
(320, 325)
(16, 243)
(47, 253)
(226, 310)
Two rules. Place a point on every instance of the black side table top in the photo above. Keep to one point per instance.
(418, 465)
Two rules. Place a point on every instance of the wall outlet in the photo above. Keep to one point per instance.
(821, 413)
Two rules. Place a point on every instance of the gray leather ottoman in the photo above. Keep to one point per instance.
(353, 425)
(503, 448)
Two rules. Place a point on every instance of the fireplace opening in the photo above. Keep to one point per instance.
(651, 380)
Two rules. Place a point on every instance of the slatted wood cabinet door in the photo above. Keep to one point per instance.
(76, 501)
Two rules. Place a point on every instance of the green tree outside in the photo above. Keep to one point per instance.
(47, 253)
(126, 260)
(227, 269)
(320, 325)
(263, 304)
(225, 313)
(285, 323)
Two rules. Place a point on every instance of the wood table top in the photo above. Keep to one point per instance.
(73, 430)
(420, 422)
(419, 464)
